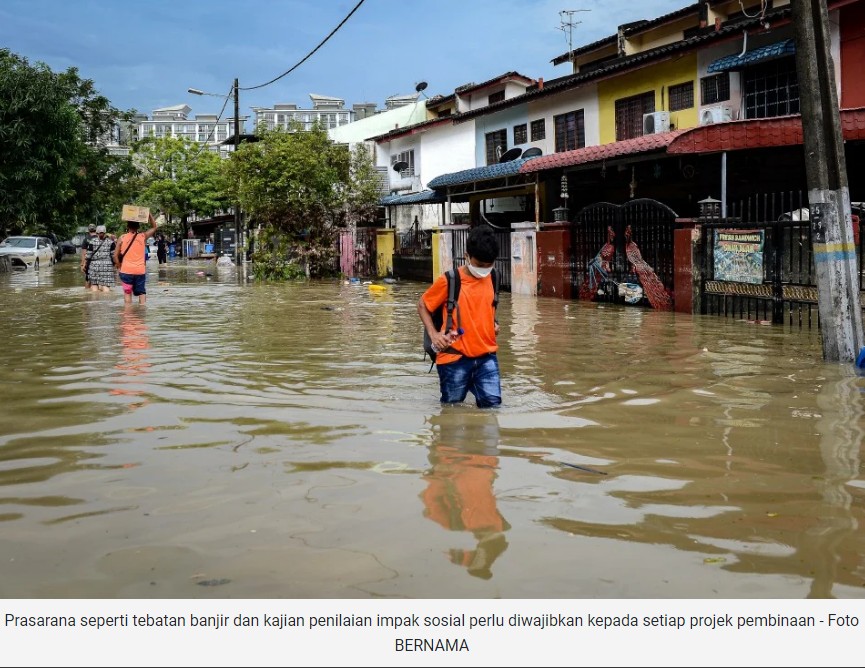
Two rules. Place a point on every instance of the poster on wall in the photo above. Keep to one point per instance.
(739, 255)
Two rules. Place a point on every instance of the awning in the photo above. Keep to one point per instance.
(759, 133)
(473, 174)
(593, 154)
(424, 197)
(758, 55)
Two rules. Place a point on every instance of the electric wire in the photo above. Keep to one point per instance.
(307, 56)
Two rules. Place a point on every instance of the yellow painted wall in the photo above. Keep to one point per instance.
(436, 254)
(649, 78)
(384, 250)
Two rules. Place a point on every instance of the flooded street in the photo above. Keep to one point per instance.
(287, 441)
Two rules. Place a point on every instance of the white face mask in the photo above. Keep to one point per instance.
(478, 272)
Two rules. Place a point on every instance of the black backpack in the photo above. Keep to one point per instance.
(451, 305)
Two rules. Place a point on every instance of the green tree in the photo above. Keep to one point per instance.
(301, 189)
(55, 171)
(181, 177)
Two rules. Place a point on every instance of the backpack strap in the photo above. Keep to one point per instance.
(454, 285)
(495, 276)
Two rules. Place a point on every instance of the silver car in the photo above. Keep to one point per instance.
(27, 252)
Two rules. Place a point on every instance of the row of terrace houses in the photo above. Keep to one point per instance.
(700, 102)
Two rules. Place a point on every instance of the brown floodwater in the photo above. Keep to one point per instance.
(287, 441)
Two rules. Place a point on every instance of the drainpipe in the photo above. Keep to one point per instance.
(724, 185)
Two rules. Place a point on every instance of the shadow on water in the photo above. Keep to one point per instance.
(287, 441)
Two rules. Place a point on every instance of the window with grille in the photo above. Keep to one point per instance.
(521, 135)
(539, 130)
(496, 97)
(629, 114)
(771, 89)
(570, 131)
(715, 88)
(406, 157)
(497, 144)
(682, 96)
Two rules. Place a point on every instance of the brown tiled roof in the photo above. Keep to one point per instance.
(629, 29)
(759, 133)
(625, 63)
(591, 154)
(410, 129)
(465, 88)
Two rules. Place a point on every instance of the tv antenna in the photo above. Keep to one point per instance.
(566, 17)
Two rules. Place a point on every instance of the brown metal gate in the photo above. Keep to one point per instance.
(624, 253)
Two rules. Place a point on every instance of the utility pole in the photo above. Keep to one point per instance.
(567, 27)
(828, 192)
(239, 236)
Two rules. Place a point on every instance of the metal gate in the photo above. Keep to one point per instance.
(624, 253)
(503, 262)
(357, 252)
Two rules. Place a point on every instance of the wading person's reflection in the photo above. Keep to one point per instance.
(133, 361)
(459, 495)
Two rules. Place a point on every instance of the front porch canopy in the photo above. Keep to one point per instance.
(786, 47)
(499, 178)
(594, 154)
(423, 197)
(760, 133)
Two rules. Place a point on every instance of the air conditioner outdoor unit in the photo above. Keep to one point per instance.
(716, 114)
(655, 122)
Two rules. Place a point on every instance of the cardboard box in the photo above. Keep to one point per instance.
(132, 213)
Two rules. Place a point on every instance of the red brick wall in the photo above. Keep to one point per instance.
(852, 55)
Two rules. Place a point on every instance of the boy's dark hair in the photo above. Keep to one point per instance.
(132, 225)
(482, 244)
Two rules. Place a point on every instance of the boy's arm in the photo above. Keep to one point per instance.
(438, 339)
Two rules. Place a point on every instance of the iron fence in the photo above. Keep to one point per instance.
(782, 287)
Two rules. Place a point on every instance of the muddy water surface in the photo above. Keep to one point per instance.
(287, 441)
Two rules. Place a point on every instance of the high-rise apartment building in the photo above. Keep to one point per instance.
(206, 129)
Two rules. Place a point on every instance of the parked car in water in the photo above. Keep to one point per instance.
(28, 251)
(68, 247)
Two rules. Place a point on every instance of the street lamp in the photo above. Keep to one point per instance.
(239, 249)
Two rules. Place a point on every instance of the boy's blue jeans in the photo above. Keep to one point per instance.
(478, 376)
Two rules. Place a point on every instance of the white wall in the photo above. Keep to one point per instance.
(585, 98)
(379, 124)
(447, 148)
(705, 57)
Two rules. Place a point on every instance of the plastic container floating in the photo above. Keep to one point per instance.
(376, 288)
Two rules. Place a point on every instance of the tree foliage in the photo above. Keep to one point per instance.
(179, 177)
(301, 189)
(55, 171)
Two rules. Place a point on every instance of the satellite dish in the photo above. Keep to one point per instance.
(400, 165)
(510, 154)
(533, 152)
(421, 86)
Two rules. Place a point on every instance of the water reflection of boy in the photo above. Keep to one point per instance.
(459, 495)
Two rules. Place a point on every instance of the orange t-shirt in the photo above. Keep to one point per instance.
(133, 253)
(474, 313)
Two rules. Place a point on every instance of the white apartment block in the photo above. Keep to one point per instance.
(327, 111)
(202, 129)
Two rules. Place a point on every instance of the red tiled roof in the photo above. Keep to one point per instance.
(758, 133)
(590, 154)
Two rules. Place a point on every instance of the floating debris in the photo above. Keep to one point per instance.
(582, 468)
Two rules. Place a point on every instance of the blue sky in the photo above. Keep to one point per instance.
(145, 55)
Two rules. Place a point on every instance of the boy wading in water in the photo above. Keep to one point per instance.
(467, 362)
(129, 256)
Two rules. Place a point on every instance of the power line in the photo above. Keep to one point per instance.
(307, 56)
